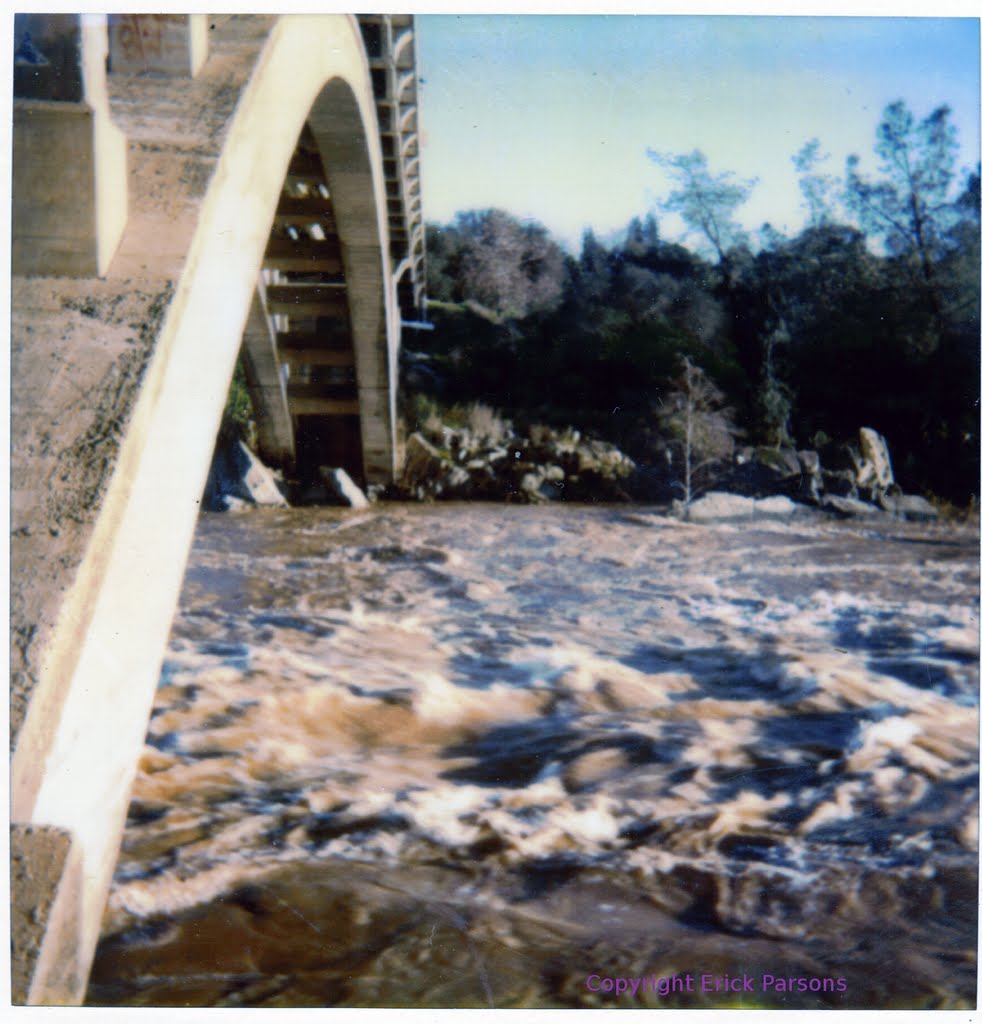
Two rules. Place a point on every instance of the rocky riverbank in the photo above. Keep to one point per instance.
(467, 464)
(495, 463)
(548, 465)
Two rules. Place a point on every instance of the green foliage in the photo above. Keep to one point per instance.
(910, 205)
(812, 335)
(817, 188)
(706, 203)
(238, 416)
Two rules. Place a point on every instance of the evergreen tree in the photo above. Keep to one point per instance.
(910, 205)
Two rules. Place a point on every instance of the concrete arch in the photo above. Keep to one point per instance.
(74, 759)
(352, 168)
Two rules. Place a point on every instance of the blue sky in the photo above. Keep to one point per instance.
(550, 116)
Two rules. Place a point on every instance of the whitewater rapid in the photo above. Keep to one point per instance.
(494, 755)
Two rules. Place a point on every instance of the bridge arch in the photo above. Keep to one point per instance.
(328, 308)
(315, 85)
(76, 751)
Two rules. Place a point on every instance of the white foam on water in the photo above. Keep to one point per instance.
(511, 687)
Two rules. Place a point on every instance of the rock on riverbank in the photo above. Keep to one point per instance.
(548, 465)
(238, 479)
(846, 480)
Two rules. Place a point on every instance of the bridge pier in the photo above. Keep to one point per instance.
(69, 159)
(175, 44)
(266, 383)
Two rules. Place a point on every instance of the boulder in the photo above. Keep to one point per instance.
(876, 468)
(783, 461)
(342, 488)
(259, 483)
(811, 464)
(839, 457)
(910, 506)
(751, 477)
(238, 478)
(764, 471)
(719, 506)
(809, 489)
(229, 503)
(544, 483)
(839, 483)
(550, 465)
(424, 464)
(850, 508)
(809, 484)
(776, 507)
(457, 480)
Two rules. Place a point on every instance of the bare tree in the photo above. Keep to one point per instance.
(511, 266)
(694, 416)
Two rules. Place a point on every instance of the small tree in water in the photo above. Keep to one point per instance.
(694, 416)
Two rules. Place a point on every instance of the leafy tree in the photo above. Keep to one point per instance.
(443, 245)
(815, 312)
(930, 234)
(959, 271)
(910, 206)
(816, 187)
(968, 202)
(487, 256)
(706, 203)
(816, 333)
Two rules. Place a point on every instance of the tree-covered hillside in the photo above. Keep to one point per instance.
(868, 317)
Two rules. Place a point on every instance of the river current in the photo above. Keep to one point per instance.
(489, 755)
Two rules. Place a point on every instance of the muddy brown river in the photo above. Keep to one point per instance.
(557, 756)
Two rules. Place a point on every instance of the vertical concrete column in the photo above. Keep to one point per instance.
(368, 291)
(69, 160)
(266, 383)
(393, 344)
(172, 44)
